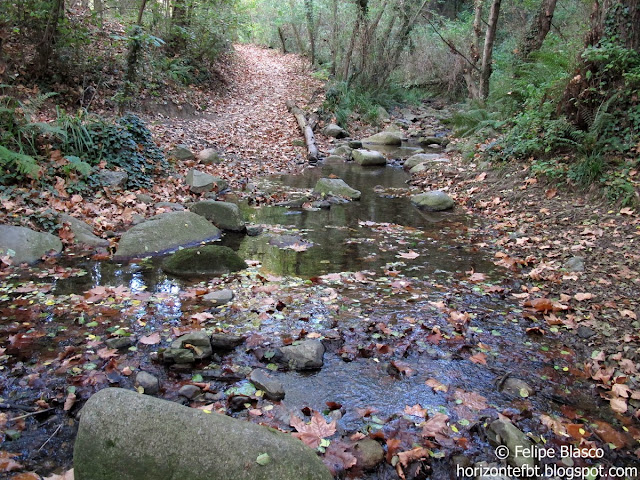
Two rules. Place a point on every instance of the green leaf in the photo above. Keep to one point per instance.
(263, 459)
(197, 378)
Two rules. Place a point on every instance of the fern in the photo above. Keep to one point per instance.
(24, 165)
(475, 120)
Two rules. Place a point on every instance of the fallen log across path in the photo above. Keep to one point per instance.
(306, 127)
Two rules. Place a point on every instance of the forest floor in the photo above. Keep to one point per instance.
(569, 333)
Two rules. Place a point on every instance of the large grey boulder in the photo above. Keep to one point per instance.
(83, 232)
(109, 178)
(200, 182)
(165, 232)
(307, 355)
(336, 186)
(127, 436)
(208, 260)
(419, 158)
(223, 215)
(384, 138)
(342, 150)
(433, 201)
(335, 131)
(368, 158)
(24, 245)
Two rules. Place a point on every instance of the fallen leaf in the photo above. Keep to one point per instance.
(69, 401)
(416, 410)
(436, 385)
(152, 339)
(409, 255)
(7, 462)
(583, 296)
(314, 432)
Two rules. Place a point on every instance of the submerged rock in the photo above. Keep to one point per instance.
(165, 232)
(223, 215)
(307, 355)
(127, 436)
(368, 158)
(208, 260)
(342, 151)
(336, 186)
(433, 201)
(24, 245)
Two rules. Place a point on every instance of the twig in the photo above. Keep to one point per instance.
(30, 414)
(52, 435)
(452, 46)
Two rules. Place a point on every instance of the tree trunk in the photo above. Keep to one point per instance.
(487, 53)
(143, 4)
(334, 36)
(538, 30)
(306, 129)
(296, 32)
(471, 70)
(45, 48)
(308, 8)
(282, 40)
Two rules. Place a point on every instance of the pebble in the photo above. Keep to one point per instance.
(148, 382)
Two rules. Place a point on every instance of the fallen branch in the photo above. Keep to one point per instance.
(306, 129)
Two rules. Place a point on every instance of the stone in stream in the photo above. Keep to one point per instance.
(334, 160)
(369, 453)
(208, 260)
(225, 341)
(306, 355)
(219, 297)
(82, 232)
(368, 158)
(165, 232)
(123, 435)
(200, 182)
(189, 391)
(271, 386)
(336, 186)
(149, 383)
(342, 151)
(503, 432)
(24, 245)
(433, 201)
(198, 342)
(516, 387)
(120, 343)
(335, 131)
(419, 158)
(441, 141)
(223, 215)
(384, 138)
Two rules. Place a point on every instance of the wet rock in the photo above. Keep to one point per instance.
(238, 402)
(209, 156)
(24, 245)
(441, 141)
(516, 388)
(383, 114)
(144, 198)
(271, 386)
(254, 230)
(124, 436)
(176, 207)
(295, 202)
(83, 232)
(207, 260)
(223, 215)
(368, 158)
(433, 201)
(336, 186)
(109, 178)
(200, 182)
(585, 332)
(148, 382)
(335, 131)
(353, 144)
(384, 138)
(369, 453)
(334, 160)
(189, 391)
(225, 341)
(575, 264)
(181, 152)
(120, 343)
(198, 342)
(503, 432)
(219, 297)
(342, 151)
(283, 241)
(165, 232)
(307, 355)
(419, 158)
(178, 355)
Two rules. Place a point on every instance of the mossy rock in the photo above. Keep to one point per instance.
(203, 261)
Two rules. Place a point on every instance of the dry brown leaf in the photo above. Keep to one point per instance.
(436, 385)
(416, 410)
(313, 432)
(152, 339)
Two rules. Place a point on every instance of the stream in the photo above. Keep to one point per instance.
(389, 288)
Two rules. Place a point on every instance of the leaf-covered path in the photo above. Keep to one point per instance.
(250, 121)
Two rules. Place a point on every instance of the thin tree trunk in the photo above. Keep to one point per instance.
(51, 32)
(470, 70)
(538, 30)
(141, 12)
(346, 67)
(296, 32)
(487, 53)
(334, 36)
(308, 7)
(282, 40)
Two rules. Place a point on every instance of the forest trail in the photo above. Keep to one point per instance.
(250, 120)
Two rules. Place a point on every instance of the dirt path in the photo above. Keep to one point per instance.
(250, 122)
